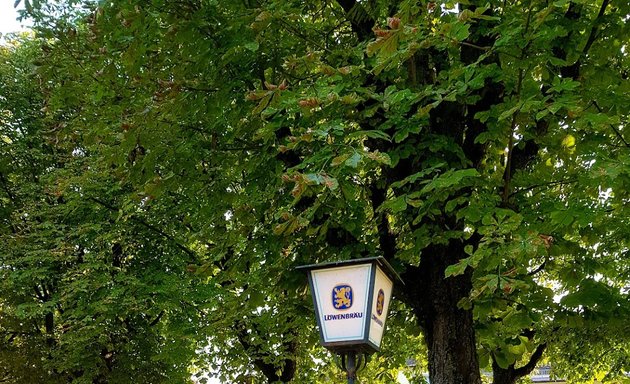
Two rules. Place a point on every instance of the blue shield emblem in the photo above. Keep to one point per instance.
(380, 302)
(342, 296)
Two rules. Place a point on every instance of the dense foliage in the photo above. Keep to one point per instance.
(165, 165)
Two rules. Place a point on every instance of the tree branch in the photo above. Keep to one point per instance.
(199, 89)
(593, 35)
(157, 319)
(359, 19)
(511, 374)
(6, 188)
(151, 227)
(519, 86)
(566, 181)
(538, 269)
(533, 360)
(387, 240)
(40, 293)
(619, 135)
(471, 45)
(508, 165)
(270, 370)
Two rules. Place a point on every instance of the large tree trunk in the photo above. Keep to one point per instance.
(448, 330)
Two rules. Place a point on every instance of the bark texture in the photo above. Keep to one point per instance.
(448, 330)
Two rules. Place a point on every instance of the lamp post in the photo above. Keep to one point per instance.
(351, 301)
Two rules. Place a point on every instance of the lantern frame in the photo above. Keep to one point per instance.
(363, 345)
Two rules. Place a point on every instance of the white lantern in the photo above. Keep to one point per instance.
(351, 302)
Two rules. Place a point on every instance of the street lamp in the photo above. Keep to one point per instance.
(351, 301)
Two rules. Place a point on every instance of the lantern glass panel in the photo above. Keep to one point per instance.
(341, 295)
(380, 305)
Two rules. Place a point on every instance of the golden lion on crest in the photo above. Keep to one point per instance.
(342, 298)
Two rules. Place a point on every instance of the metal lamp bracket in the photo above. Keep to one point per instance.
(352, 362)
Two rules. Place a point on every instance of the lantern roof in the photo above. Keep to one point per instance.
(380, 260)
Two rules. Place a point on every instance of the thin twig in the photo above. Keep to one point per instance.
(566, 181)
(150, 227)
(482, 48)
(613, 127)
(519, 86)
(538, 269)
(593, 35)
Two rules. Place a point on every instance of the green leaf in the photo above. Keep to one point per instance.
(313, 178)
(563, 218)
(509, 112)
(382, 158)
(484, 359)
(264, 103)
(449, 179)
(353, 161)
(502, 359)
(375, 134)
(252, 46)
(330, 182)
(398, 204)
(457, 269)
(338, 160)
(417, 176)
(384, 46)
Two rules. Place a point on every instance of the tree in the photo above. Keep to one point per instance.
(481, 148)
(88, 294)
(21, 161)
